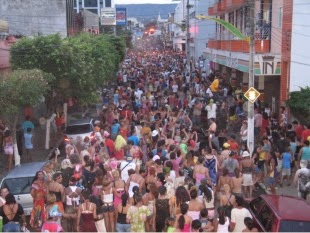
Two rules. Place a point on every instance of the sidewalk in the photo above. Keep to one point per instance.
(39, 153)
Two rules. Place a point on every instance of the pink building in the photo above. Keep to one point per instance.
(5, 46)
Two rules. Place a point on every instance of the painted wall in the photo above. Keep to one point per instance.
(33, 17)
(300, 49)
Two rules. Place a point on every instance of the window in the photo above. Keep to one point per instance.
(108, 3)
(18, 186)
(90, 3)
(280, 17)
(78, 129)
(256, 205)
(266, 218)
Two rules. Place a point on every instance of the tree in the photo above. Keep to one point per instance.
(299, 103)
(80, 64)
(17, 90)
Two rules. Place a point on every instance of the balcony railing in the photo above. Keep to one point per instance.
(261, 46)
(224, 6)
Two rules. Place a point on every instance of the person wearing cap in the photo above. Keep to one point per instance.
(52, 224)
(226, 151)
(67, 171)
(246, 166)
(126, 166)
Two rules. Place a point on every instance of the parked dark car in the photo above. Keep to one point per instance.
(275, 213)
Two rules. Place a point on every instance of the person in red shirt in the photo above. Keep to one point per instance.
(234, 146)
(298, 128)
(306, 133)
(109, 143)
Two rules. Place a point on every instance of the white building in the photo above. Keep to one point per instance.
(204, 29)
(93, 5)
(179, 39)
(200, 30)
(300, 51)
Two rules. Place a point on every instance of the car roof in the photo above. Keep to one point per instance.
(25, 170)
(80, 122)
(288, 207)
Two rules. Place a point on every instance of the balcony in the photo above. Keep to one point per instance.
(225, 6)
(261, 46)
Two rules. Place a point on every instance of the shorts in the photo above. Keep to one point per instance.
(286, 171)
(271, 181)
(108, 208)
(261, 165)
(247, 180)
(8, 150)
(122, 227)
(279, 167)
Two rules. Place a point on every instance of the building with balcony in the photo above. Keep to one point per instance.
(179, 35)
(231, 56)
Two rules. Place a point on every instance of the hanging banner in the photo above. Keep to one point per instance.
(121, 16)
(235, 31)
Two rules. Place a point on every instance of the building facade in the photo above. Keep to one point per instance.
(231, 55)
(296, 33)
(32, 18)
(93, 6)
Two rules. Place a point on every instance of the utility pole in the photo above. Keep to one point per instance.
(251, 139)
(188, 37)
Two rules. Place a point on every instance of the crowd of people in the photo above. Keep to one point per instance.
(163, 156)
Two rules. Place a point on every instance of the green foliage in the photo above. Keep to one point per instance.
(21, 88)
(299, 102)
(80, 64)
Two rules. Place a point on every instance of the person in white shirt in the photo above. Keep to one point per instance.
(126, 166)
(125, 78)
(138, 94)
(211, 108)
(175, 88)
(238, 215)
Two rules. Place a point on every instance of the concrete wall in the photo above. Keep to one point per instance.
(91, 20)
(33, 17)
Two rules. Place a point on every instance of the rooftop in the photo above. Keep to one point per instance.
(288, 207)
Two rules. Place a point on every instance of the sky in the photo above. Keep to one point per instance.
(143, 1)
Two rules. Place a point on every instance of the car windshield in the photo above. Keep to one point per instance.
(294, 226)
(78, 129)
(18, 185)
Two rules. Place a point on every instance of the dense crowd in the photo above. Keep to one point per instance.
(168, 154)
